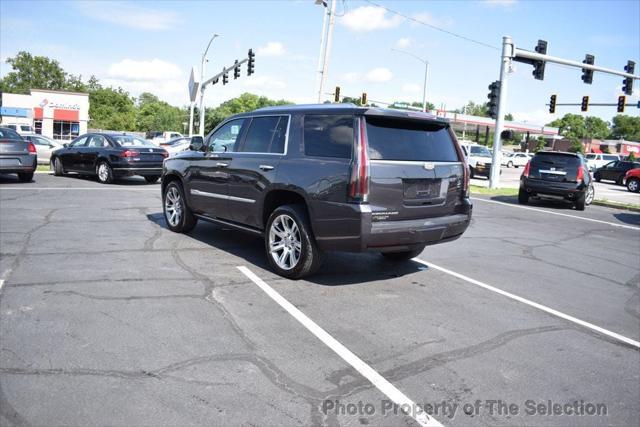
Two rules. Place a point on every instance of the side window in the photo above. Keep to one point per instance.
(266, 135)
(224, 139)
(98, 141)
(80, 142)
(328, 136)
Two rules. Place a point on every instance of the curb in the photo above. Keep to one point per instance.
(614, 205)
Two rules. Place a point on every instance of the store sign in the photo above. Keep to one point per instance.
(59, 105)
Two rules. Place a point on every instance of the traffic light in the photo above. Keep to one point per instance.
(627, 87)
(622, 100)
(364, 98)
(337, 94)
(236, 70)
(252, 62)
(493, 96)
(225, 78)
(587, 75)
(552, 104)
(585, 103)
(538, 66)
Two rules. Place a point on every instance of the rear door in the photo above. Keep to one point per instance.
(415, 169)
(254, 166)
(554, 167)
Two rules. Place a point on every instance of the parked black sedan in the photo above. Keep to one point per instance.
(615, 171)
(109, 156)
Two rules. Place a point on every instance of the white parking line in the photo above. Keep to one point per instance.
(365, 370)
(78, 188)
(1, 284)
(544, 308)
(613, 224)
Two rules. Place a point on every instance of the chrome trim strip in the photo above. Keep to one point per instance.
(220, 196)
(229, 224)
(412, 162)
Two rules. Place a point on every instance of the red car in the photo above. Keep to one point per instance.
(632, 178)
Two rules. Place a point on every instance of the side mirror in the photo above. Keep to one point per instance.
(197, 143)
(65, 145)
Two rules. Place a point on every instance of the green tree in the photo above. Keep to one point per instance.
(243, 103)
(33, 72)
(541, 143)
(147, 98)
(474, 109)
(156, 115)
(111, 109)
(571, 126)
(626, 127)
(595, 127)
(508, 117)
(398, 105)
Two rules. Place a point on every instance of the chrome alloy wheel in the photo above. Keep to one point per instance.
(590, 194)
(632, 185)
(103, 172)
(285, 244)
(173, 206)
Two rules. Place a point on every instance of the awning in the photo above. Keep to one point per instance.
(37, 113)
(66, 115)
(596, 150)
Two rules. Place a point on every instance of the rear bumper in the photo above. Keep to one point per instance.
(141, 171)
(540, 188)
(18, 164)
(393, 236)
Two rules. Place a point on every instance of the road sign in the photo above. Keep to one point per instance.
(194, 84)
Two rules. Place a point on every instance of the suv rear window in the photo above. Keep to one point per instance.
(392, 139)
(328, 135)
(559, 161)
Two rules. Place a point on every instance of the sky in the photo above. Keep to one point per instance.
(152, 46)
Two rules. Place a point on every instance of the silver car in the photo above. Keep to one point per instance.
(44, 147)
(17, 155)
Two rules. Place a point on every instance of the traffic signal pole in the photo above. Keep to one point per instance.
(505, 66)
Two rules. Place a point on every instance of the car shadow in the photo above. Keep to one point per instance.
(628, 218)
(129, 180)
(338, 269)
(533, 202)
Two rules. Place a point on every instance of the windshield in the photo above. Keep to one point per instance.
(177, 141)
(591, 156)
(132, 141)
(480, 151)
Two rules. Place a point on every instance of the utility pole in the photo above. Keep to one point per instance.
(326, 48)
(505, 66)
(202, 87)
(426, 75)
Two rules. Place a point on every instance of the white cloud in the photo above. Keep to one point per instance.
(130, 15)
(154, 70)
(379, 75)
(403, 43)
(264, 82)
(499, 3)
(272, 49)
(351, 77)
(369, 18)
(411, 88)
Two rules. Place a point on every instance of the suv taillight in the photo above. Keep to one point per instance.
(31, 147)
(359, 181)
(525, 173)
(129, 153)
(580, 174)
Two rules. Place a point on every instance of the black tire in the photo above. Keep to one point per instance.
(152, 179)
(107, 176)
(25, 176)
(404, 255)
(56, 167)
(597, 177)
(580, 204)
(633, 185)
(310, 257)
(523, 197)
(620, 180)
(471, 174)
(186, 220)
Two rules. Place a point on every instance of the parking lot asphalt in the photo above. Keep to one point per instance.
(107, 317)
(605, 190)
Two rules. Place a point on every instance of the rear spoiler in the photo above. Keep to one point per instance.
(415, 116)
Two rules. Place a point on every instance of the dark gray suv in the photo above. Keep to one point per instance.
(315, 178)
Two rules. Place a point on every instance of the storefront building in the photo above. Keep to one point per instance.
(56, 114)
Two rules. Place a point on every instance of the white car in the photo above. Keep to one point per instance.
(478, 159)
(176, 145)
(158, 138)
(597, 160)
(21, 128)
(44, 147)
(515, 160)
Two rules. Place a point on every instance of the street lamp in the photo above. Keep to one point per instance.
(426, 74)
(204, 59)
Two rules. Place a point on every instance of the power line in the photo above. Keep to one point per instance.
(442, 30)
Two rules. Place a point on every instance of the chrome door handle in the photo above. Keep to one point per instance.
(222, 165)
(266, 167)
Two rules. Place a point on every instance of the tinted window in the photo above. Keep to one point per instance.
(610, 157)
(97, 141)
(9, 134)
(391, 139)
(561, 162)
(131, 141)
(328, 136)
(266, 135)
(225, 138)
(591, 156)
(79, 142)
